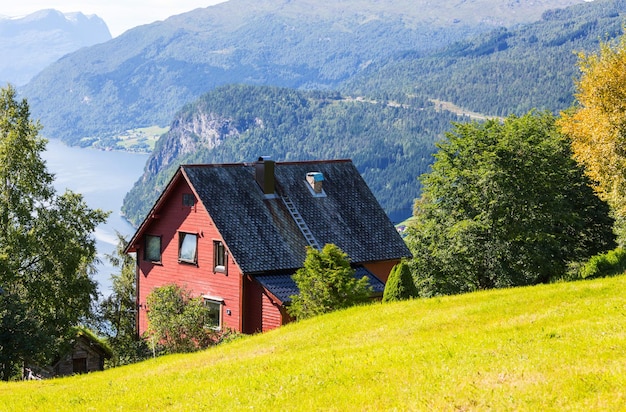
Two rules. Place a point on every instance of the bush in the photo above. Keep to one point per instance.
(177, 322)
(400, 285)
(610, 263)
(326, 283)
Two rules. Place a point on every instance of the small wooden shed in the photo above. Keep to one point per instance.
(87, 355)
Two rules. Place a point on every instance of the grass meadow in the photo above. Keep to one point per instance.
(551, 347)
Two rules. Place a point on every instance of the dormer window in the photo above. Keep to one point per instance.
(315, 182)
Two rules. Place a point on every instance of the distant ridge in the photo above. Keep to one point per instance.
(28, 44)
(144, 76)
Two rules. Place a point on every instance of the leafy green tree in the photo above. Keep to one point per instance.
(326, 283)
(177, 321)
(400, 285)
(504, 205)
(47, 247)
(118, 310)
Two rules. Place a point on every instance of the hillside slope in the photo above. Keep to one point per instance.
(144, 76)
(551, 347)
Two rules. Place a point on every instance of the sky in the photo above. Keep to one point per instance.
(119, 15)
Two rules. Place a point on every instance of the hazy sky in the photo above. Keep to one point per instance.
(119, 15)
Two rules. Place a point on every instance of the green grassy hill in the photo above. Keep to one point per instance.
(550, 347)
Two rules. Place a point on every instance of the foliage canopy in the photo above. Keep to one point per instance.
(326, 283)
(504, 205)
(597, 126)
(117, 311)
(177, 321)
(47, 247)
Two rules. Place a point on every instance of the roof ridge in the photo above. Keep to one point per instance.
(287, 163)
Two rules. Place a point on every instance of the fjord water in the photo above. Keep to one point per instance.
(103, 178)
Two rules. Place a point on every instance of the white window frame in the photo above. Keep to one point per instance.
(182, 236)
(217, 246)
(219, 302)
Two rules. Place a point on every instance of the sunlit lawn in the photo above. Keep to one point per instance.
(552, 347)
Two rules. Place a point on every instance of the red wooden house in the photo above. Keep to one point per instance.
(235, 233)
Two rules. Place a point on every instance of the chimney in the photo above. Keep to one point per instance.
(265, 174)
(315, 179)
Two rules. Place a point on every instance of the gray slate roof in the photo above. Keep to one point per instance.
(261, 234)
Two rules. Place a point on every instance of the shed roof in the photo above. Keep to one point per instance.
(282, 285)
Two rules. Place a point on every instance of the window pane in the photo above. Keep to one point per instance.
(213, 320)
(189, 199)
(153, 248)
(219, 253)
(188, 245)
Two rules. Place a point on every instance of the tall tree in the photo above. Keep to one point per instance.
(597, 125)
(119, 309)
(47, 247)
(326, 283)
(504, 205)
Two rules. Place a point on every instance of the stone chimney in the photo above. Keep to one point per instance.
(264, 169)
(315, 179)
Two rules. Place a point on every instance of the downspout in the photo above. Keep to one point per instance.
(241, 299)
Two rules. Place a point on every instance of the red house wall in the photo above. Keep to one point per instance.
(382, 269)
(261, 312)
(200, 278)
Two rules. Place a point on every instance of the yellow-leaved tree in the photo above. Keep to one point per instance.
(597, 125)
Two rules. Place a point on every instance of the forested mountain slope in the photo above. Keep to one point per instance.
(390, 145)
(144, 76)
(504, 71)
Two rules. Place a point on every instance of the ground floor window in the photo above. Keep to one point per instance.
(215, 313)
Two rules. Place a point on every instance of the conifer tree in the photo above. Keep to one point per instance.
(400, 285)
(326, 283)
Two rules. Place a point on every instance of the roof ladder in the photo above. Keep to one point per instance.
(293, 211)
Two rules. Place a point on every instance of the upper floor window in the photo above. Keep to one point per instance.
(219, 257)
(187, 247)
(189, 199)
(152, 251)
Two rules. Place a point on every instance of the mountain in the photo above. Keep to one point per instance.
(144, 76)
(391, 134)
(31, 43)
(504, 71)
(390, 145)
